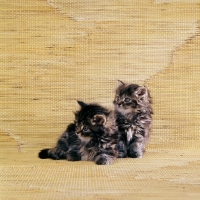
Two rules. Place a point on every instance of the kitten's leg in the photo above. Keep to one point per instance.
(136, 149)
(104, 159)
(62, 146)
(57, 153)
(73, 155)
(54, 153)
(122, 149)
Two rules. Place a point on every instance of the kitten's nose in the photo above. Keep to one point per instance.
(120, 104)
(78, 131)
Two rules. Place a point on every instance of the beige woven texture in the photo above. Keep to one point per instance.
(57, 51)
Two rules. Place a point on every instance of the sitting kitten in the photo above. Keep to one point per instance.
(93, 136)
(133, 111)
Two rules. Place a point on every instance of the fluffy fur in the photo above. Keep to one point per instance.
(93, 136)
(133, 111)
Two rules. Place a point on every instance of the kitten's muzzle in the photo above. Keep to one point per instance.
(120, 104)
(78, 132)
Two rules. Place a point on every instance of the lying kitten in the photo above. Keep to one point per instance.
(133, 111)
(93, 136)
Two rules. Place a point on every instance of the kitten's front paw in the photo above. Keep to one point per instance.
(135, 154)
(104, 160)
(122, 151)
(73, 156)
(136, 150)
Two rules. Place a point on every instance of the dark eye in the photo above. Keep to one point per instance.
(117, 98)
(127, 100)
(85, 128)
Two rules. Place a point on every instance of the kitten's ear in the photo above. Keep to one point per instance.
(99, 119)
(82, 104)
(120, 83)
(141, 92)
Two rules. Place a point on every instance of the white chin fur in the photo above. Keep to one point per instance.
(85, 139)
(123, 111)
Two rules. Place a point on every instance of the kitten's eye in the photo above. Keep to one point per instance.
(127, 100)
(85, 128)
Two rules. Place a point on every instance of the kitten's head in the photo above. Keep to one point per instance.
(90, 121)
(131, 98)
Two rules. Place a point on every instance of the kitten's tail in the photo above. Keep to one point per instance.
(44, 153)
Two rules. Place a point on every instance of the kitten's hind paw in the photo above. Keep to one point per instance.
(44, 153)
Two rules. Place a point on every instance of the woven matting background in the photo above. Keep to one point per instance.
(57, 51)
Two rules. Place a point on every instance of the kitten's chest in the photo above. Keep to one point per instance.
(130, 129)
(87, 154)
(133, 129)
(130, 132)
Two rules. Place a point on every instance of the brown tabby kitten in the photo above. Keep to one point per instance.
(133, 111)
(93, 136)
